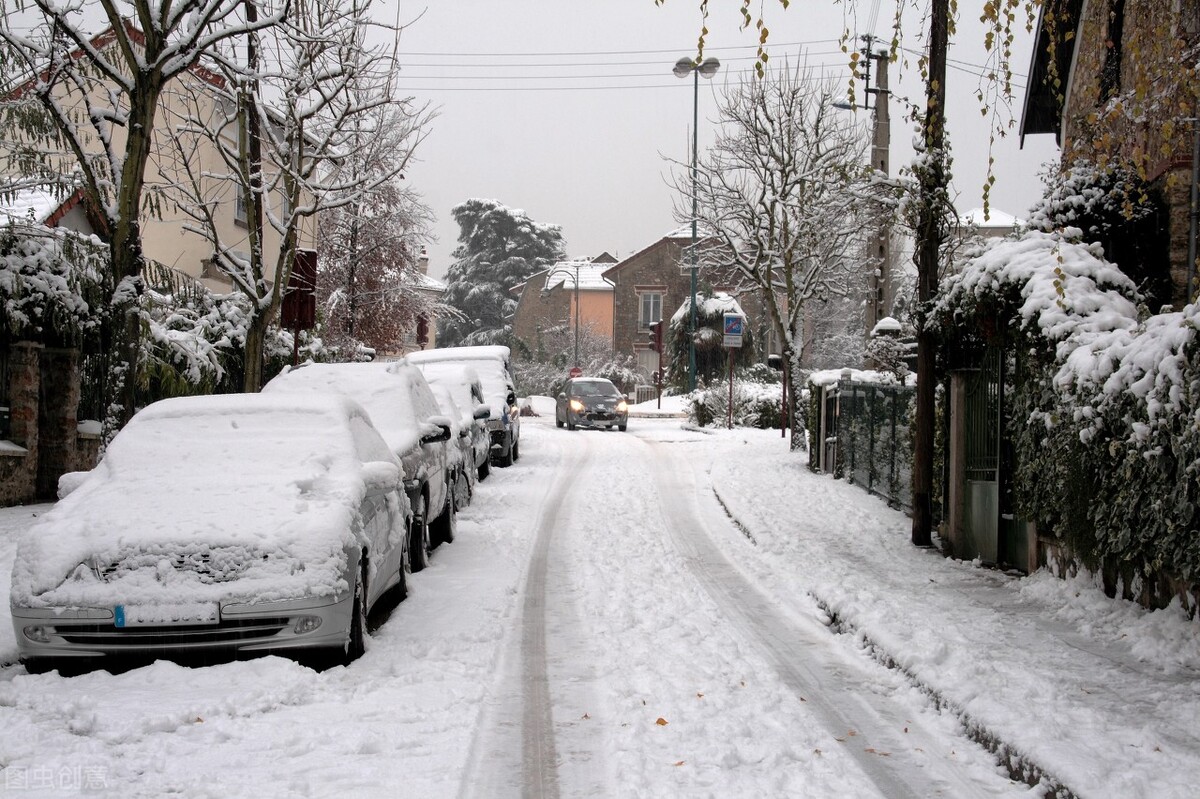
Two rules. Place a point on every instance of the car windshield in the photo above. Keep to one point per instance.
(594, 388)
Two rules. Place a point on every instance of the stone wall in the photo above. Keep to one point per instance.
(19, 457)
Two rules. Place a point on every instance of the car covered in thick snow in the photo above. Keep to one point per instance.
(461, 382)
(217, 526)
(493, 365)
(404, 410)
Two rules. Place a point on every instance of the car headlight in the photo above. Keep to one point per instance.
(576, 406)
(622, 406)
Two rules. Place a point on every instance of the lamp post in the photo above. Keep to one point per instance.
(708, 67)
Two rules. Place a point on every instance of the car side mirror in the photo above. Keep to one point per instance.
(562, 396)
(512, 398)
(483, 412)
(381, 477)
(435, 430)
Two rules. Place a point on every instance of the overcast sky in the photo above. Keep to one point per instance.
(568, 110)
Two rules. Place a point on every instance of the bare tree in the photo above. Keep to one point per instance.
(370, 284)
(317, 93)
(783, 197)
(99, 97)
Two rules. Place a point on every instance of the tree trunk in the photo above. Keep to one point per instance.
(256, 335)
(933, 190)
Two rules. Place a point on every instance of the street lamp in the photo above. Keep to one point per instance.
(708, 67)
(546, 292)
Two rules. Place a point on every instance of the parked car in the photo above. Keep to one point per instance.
(461, 466)
(462, 382)
(217, 525)
(407, 415)
(591, 402)
(493, 365)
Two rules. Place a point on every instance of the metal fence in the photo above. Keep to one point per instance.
(874, 438)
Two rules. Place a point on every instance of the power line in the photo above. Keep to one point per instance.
(771, 45)
(596, 63)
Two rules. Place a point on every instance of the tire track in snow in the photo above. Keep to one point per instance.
(489, 761)
(902, 765)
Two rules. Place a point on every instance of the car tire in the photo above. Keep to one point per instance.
(418, 540)
(445, 526)
(570, 425)
(485, 468)
(401, 588)
(622, 427)
(356, 640)
(558, 422)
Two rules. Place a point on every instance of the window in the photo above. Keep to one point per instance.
(650, 308)
(239, 206)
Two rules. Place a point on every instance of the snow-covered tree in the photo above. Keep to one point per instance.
(785, 195)
(97, 100)
(290, 123)
(369, 283)
(498, 248)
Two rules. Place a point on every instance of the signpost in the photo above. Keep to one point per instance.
(575, 372)
(735, 326)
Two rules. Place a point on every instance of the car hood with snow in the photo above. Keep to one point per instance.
(227, 498)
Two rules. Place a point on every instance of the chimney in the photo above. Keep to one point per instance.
(423, 261)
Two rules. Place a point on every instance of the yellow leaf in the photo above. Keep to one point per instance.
(661, 722)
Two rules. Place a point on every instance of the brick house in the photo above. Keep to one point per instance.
(653, 283)
(1125, 93)
(546, 302)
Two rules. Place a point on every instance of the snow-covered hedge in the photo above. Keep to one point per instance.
(50, 283)
(754, 404)
(1104, 412)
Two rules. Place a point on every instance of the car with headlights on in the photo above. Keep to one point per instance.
(216, 527)
(404, 410)
(591, 402)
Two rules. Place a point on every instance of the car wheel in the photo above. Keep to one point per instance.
(401, 587)
(558, 422)
(356, 642)
(446, 524)
(622, 427)
(418, 544)
(570, 425)
(485, 468)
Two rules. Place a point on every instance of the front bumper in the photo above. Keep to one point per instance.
(593, 418)
(80, 634)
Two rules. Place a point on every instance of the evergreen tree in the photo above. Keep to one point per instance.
(498, 248)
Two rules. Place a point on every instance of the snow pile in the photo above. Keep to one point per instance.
(831, 377)
(264, 492)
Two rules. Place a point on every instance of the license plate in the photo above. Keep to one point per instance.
(166, 615)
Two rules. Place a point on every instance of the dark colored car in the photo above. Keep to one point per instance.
(591, 402)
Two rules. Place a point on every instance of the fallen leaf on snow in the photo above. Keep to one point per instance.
(877, 752)
(661, 722)
(679, 762)
(585, 716)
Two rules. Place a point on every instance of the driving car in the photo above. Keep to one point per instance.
(493, 365)
(213, 527)
(591, 402)
(462, 383)
(404, 410)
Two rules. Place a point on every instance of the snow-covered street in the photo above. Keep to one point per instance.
(664, 612)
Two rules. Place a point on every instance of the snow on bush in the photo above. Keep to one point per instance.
(49, 282)
(754, 404)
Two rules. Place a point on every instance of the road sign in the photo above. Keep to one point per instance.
(735, 326)
(575, 372)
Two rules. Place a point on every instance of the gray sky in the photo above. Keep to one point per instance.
(568, 108)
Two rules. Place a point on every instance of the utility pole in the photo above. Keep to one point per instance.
(881, 140)
(933, 188)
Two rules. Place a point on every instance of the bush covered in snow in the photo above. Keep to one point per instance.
(51, 283)
(1104, 408)
(754, 404)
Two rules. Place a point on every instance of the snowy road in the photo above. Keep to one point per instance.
(589, 633)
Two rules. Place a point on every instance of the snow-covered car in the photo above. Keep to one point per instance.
(591, 402)
(462, 382)
(493, 365)
(402, 407)
(461, 467)
(213, 527)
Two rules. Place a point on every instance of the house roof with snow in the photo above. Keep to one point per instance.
(590, 273)
(992, 218)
